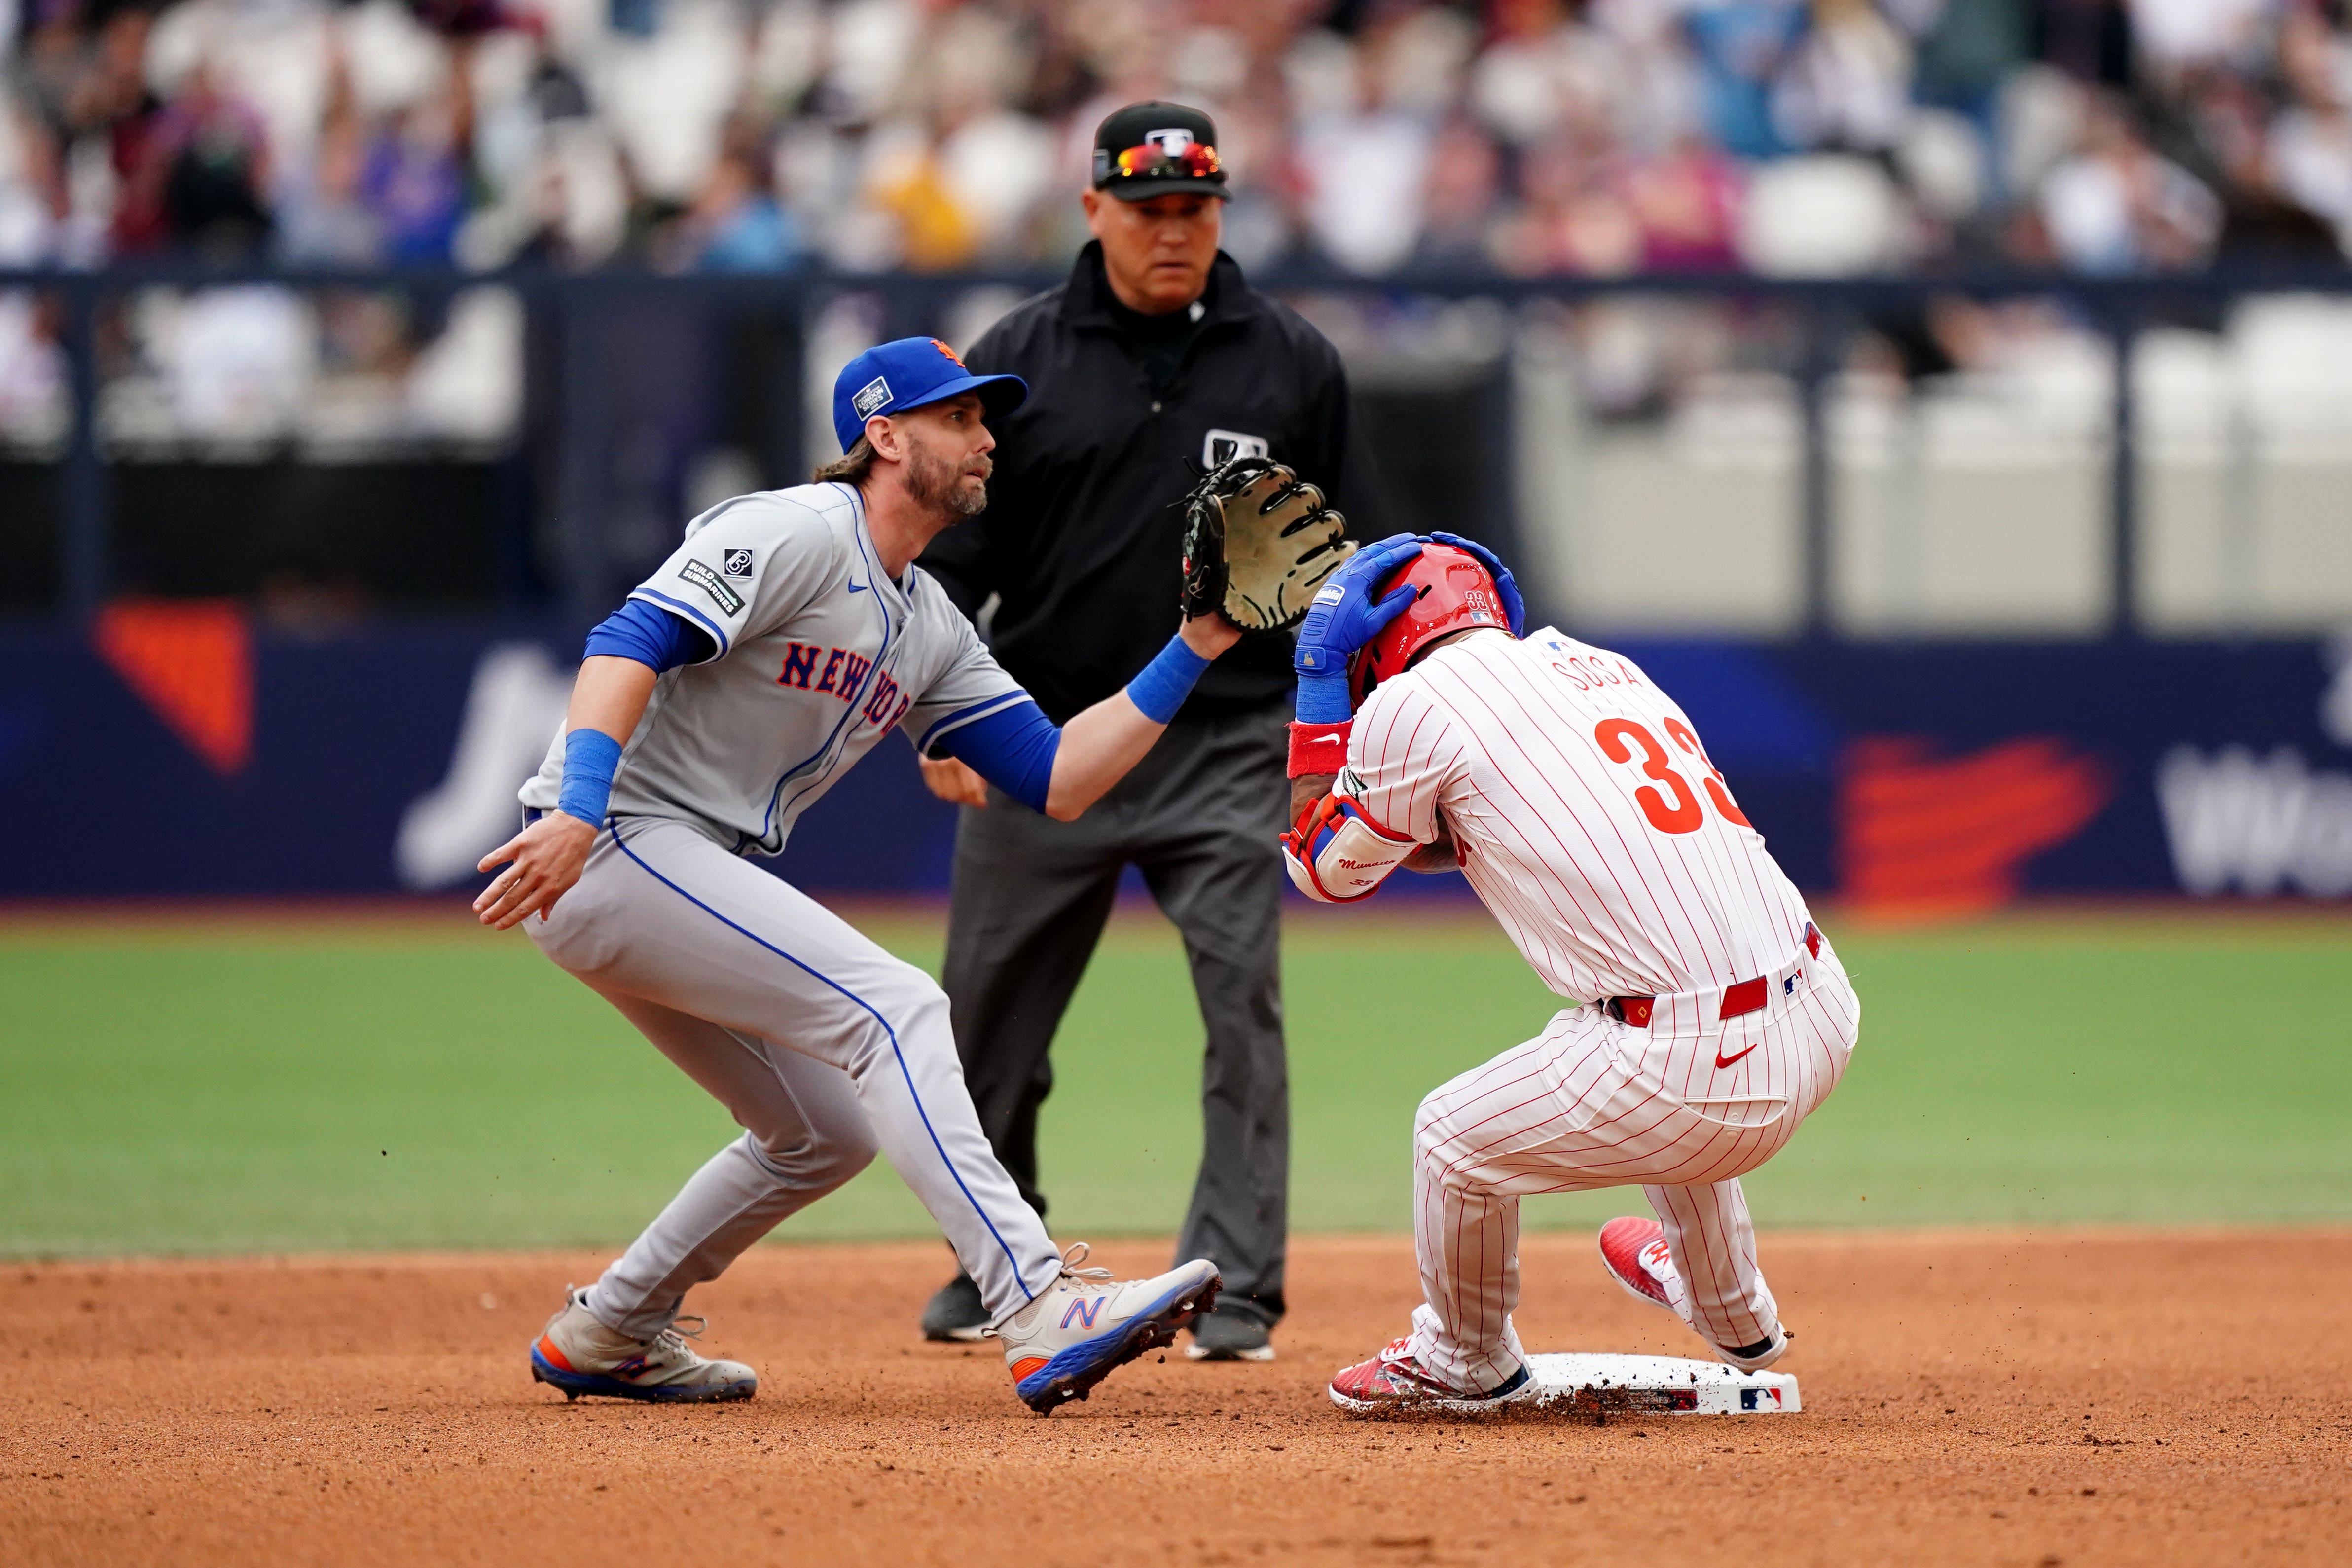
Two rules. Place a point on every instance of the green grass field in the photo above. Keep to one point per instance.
(252, 1086)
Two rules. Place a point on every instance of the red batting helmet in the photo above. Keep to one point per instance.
(1454, 593)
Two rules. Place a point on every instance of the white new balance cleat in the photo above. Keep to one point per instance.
(580, 1355)
(1635, 1252)
(1085, 1325)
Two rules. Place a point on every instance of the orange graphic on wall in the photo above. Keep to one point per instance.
(191, 661)
(1951, 836)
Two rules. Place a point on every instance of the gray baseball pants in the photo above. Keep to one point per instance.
(822, 1046)
(1200, 817)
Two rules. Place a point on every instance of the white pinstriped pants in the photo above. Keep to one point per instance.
(1592, 1102)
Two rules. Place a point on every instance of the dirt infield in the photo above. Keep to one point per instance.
(1971, 1397)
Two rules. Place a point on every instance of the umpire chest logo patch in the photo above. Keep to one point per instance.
(1222, 446)
(870, 398)
(737, 564)
(704, 578)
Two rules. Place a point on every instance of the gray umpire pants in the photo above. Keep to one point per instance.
(1200, 817)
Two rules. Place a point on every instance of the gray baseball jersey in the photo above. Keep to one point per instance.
(818, 654)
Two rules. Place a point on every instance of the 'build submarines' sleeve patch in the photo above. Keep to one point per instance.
(704, 578)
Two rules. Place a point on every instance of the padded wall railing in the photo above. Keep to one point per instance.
(577, 313)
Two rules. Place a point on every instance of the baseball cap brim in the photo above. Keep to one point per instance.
(1145, 190)
(998, 394)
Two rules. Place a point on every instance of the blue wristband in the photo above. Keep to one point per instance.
(1323, 698)
(1160, 687)
(590, 758)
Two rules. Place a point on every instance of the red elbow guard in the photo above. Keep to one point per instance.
(1318, 748)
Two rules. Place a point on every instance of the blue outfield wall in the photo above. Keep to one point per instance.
(1955, 772)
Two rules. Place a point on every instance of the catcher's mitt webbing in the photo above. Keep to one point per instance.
(1259, 543)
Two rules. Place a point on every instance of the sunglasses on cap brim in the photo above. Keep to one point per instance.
(1197, 161)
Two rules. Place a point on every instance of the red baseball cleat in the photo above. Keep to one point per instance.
(1635, 1252)
(1395, 1379)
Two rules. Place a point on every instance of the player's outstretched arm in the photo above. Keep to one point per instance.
(607, 700)
(1099, 746)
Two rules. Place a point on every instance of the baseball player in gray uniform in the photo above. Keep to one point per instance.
(787, 634)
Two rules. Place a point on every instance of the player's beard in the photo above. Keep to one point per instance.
(941, 486)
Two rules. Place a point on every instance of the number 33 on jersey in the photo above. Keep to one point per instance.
(1587, 812)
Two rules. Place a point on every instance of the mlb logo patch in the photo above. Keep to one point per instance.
(872, 398)
(1222, 446)
(737, 563)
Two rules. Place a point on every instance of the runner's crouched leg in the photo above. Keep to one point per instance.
(1466, 1236)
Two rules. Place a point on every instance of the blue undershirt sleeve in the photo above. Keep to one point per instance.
(1013, 749)
(657, 638)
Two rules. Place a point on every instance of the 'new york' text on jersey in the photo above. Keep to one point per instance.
(818, 655)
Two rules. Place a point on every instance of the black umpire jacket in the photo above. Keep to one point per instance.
(1083, 539)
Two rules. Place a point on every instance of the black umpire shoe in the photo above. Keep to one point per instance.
(1229, 1334)
(956, 1313)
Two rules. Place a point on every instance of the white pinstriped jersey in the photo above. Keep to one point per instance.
(1588, 816)
(817, 654)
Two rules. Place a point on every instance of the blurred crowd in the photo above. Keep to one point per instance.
(1599, 137)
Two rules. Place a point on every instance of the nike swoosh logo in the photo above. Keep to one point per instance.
(1723, 1061)
(857, 587)
(1324, 740)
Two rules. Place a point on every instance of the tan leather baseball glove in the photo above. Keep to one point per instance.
(1259, 543)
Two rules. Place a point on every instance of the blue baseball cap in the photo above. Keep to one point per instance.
(892, 377)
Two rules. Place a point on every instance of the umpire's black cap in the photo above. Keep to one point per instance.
(1148, 150)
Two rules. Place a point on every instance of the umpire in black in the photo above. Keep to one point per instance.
(1153, 362)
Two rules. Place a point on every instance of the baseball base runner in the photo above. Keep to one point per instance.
(1710, 1015)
